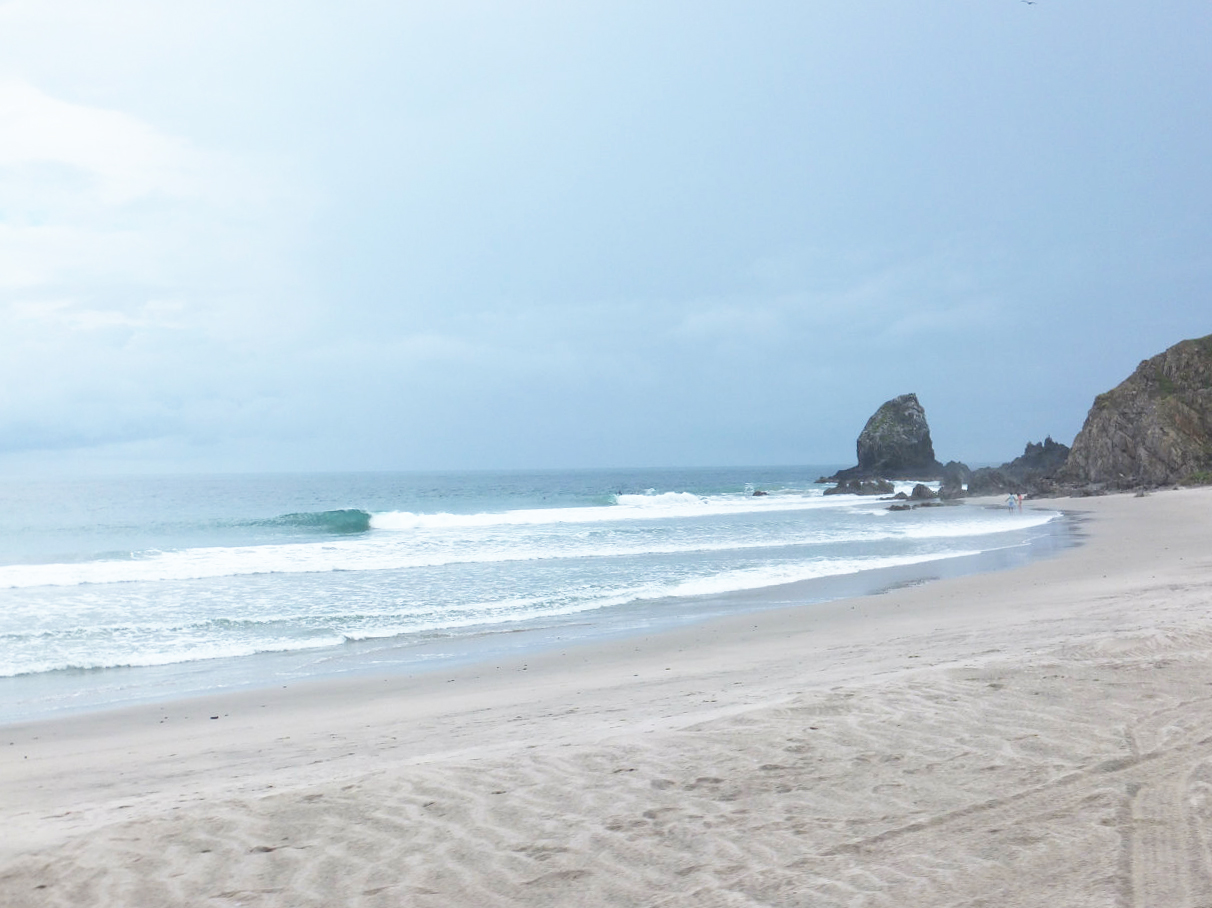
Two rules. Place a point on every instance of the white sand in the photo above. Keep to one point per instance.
(1035, 737)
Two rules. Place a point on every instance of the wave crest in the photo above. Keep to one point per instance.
(661, 501)
(344, 520)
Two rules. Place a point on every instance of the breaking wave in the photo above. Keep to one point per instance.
(345, 520)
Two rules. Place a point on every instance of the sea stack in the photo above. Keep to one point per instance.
(895, 444)
(1154, 428)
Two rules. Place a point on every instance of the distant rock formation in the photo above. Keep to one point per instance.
(1041, 459)
(990, 481)
(1034, 472)
(1154, 428)
(895, 444)
(955, 477)
(862, 487)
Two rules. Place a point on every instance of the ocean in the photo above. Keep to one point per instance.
(116, 590)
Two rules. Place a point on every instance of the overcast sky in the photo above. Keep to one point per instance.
(320, 236)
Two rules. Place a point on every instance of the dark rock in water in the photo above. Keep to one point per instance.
(914, 507)
(896, 440)
(1154, 428)
(901, 496)
(956, 469)
(862, 487)
(895, 444)
(989, 481)
(922, 493)
(955, 477)
(757, 493)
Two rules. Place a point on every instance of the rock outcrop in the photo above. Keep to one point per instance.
(922, 496)
(955, 476)
(1044, 458)
(1154, 428)
(990, 481)
(895, 444)
(1034, 472)
(862, 487)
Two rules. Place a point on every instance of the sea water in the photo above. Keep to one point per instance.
(120, 589)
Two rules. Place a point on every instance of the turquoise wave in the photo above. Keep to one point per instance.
(345, 520)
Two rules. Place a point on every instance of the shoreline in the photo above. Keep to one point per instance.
(862, 751)
(64, 693)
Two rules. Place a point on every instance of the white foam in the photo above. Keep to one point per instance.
(469, 545)
(665, 505)
(777, 575)
(194, 651)
(963, 527)
(192, 644)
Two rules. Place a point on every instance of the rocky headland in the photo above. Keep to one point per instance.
(1153, 429)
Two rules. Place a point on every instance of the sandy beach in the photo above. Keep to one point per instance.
(1040, 736)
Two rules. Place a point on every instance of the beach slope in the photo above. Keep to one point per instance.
(1040, 736)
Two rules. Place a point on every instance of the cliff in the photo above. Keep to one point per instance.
(1155, 428)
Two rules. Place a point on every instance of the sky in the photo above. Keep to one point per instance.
(261, 235)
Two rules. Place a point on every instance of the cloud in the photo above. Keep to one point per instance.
(135, 266)
(94, 197)
(121, 158)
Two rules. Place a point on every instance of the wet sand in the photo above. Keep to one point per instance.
(1039, 736)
